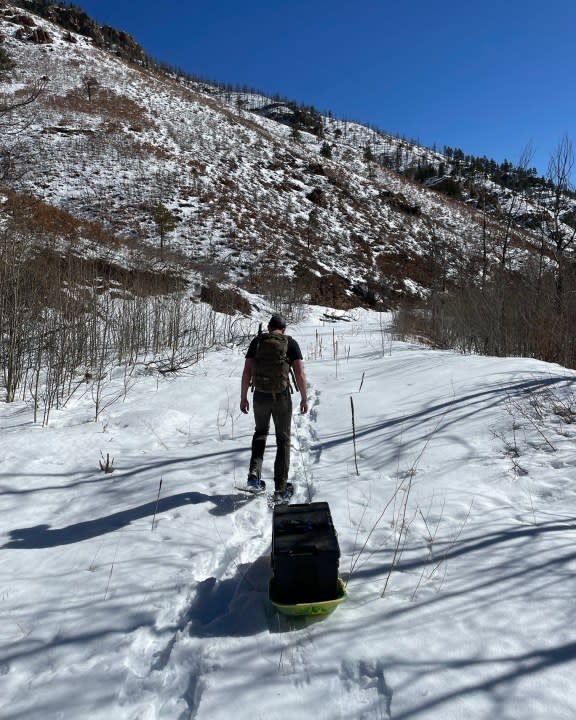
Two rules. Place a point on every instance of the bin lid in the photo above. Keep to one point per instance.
(302, 518)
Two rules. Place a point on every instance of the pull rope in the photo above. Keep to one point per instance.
(308, 488)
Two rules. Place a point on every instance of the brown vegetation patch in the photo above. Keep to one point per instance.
(53, 272)
(224, 300)
(45, 222)
(42, 225)
(102, 102)
(332, 290)
(404, 264)
(30, 215)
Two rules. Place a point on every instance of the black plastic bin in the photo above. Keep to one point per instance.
(305, 553)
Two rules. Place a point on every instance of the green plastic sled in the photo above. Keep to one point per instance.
(316, 609)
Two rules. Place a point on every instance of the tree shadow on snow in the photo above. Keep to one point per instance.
(43, 536)
(508, 670)
(90, 476)
(528, 561)
(450, 411)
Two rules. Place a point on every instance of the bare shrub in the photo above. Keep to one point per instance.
(67, 322)
(287, 295)
(511, 315)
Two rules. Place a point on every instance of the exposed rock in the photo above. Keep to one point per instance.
(317, 197)
(76, 20)
(24, 20)
(40, 37)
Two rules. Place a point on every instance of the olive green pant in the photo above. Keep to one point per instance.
(277, 406)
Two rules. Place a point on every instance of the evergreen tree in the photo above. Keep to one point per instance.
(296, 135)
(165, 222)
(313, 225)
(368, 154)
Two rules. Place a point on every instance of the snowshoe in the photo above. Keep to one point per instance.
(253, 485)
(283, 497)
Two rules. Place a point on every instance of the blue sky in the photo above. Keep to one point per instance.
(488, 77)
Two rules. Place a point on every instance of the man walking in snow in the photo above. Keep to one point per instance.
(269, 359)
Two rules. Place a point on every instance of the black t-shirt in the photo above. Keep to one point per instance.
(293, 352)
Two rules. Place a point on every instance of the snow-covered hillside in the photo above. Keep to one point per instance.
(123, 599)
(110, 141)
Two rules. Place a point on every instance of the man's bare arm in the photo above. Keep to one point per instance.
(245, 384)
(300, 375)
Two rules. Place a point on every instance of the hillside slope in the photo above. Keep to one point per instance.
(110, 140)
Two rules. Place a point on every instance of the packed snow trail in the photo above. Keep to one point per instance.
(462, 515)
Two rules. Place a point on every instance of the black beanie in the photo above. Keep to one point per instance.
(277, 322)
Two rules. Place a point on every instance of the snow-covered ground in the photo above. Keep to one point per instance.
(457, 543)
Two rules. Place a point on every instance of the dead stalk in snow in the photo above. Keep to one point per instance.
(157, 502)
(354, 560)
(402, 533)
(106, 463)
(452, 543)
(516, 406)
(111, 571)
(354, 435)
